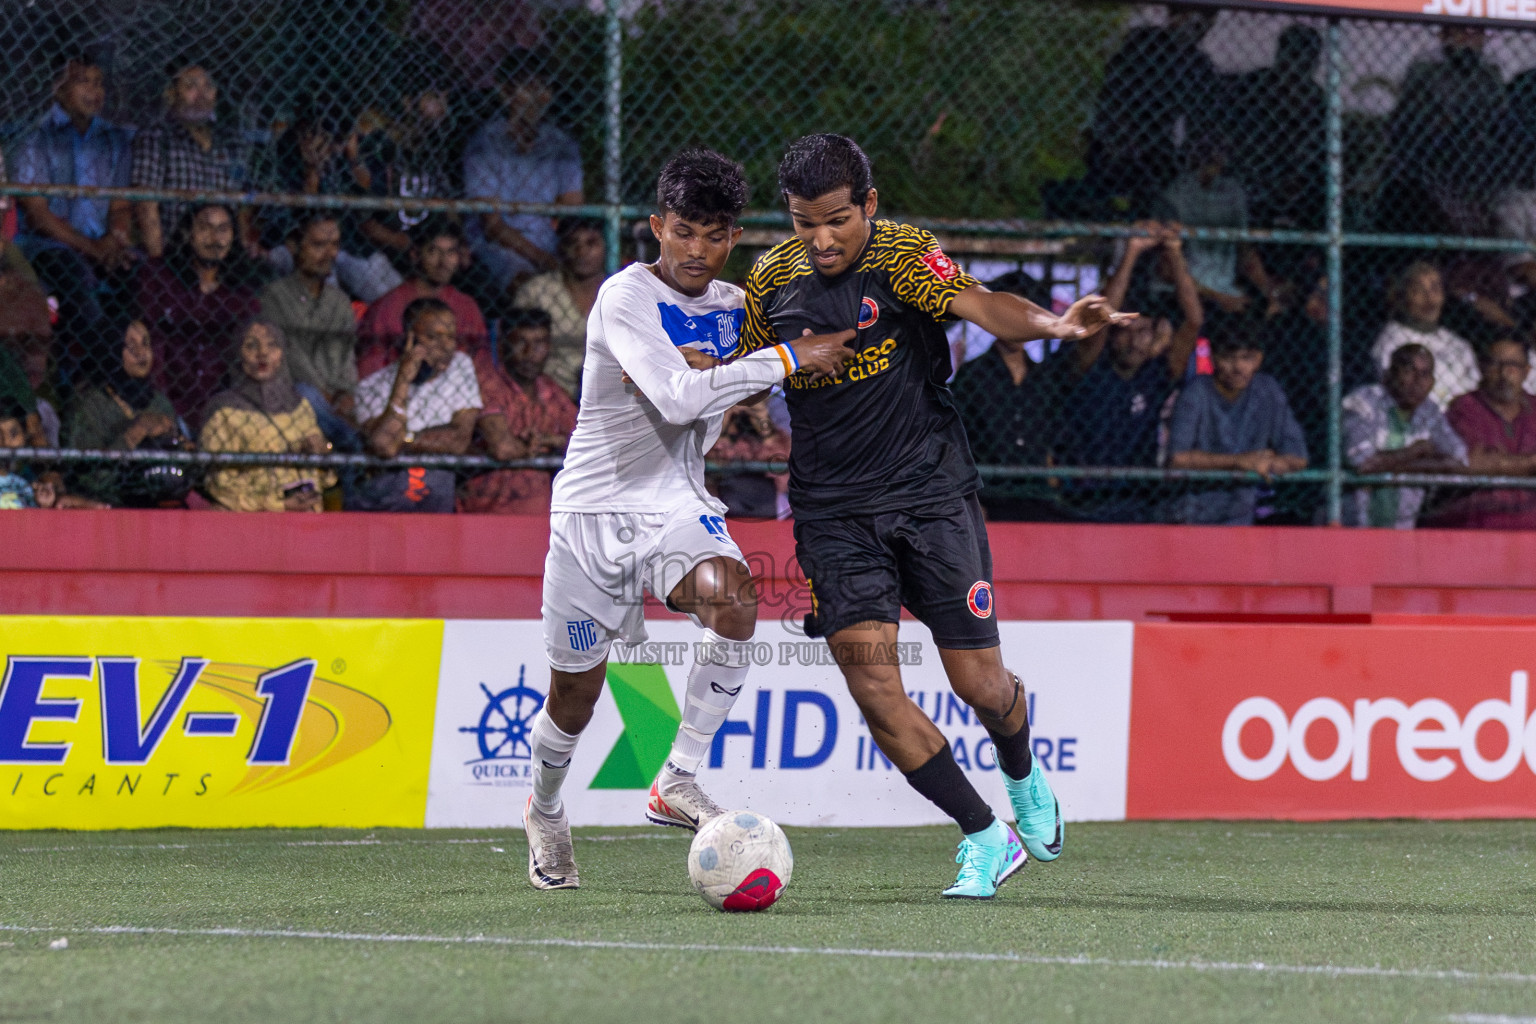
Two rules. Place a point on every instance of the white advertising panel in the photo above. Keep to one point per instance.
(794, 747)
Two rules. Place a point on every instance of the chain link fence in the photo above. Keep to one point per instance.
(219, 219)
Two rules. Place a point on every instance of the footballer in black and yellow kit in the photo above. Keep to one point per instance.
(883, 487)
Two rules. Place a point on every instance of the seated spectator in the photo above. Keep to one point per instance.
(188, 149)
(25, 337)
(1123, 377)
(317, 155)
(1235, 419)
(1159, 85)
(263, 413)
(316, 317)
(1296, 350)
(520, 159)
(120, 409)
(437, 254)
(525, 414)
(1417, 300)
(1443, 167)
(76, 246)
(1480, 304)
(16, 489)
(194, 303)
(1279, 133)
(428, 401)
(1205, 197)
(748, 434)
(1498, 424)
(1392, 427)
(1007, 402)
(408, 158)
(567, 295)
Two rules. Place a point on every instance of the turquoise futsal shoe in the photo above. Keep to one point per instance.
(1038, 813)
(985, 866)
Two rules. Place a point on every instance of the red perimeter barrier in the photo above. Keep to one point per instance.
(211, 563)
(1400, 717)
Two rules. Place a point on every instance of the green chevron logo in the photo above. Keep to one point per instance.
(651, 718)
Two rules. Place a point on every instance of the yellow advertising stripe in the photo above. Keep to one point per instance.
(154, 722)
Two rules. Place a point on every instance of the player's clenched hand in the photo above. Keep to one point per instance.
(1087, 316)
(824, 355)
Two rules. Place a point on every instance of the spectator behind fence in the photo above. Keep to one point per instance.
(1008, 404)
(1237, 418)
(412, 157)
(78, 247)
(748, 433)
(1123, 377)
(24, 333)
(1444, 165)
(1296, 351)
(16, 489)
(1498, 424)
(316, 316)
(261, 412)
(118, 408)
(519, 158)
(567, 295)
(188, 149)
(525, 414)
(1392, 427)
(320, 155)
(475, 35)
(1159, 87)
(437, 253)
(428, 402)
(194, 303)
(1279, 142)
(1204, 196)
(1417, 299)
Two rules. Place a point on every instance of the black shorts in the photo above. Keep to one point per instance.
(934, 559)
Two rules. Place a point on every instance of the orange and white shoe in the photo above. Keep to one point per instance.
(677, 800)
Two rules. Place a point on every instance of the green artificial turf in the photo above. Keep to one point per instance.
(1170, 921)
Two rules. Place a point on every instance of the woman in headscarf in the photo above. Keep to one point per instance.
(262, 412)
(122, 409)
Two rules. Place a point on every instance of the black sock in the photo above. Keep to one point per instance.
(941, 780)
(1013, 755)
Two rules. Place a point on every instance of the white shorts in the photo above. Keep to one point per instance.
(601, 564)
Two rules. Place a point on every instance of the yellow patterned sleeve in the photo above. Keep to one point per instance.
(756, 332)
(922, 276)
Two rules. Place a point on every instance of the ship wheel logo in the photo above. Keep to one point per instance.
(505, 724)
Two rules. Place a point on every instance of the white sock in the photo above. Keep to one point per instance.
(719, 673)
(551, 760)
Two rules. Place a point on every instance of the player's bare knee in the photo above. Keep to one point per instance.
(989, 692)
(573, 695)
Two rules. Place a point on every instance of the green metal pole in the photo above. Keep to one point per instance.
(1335, 271)
(613, 113)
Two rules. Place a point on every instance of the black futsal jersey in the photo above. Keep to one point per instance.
(884, 434)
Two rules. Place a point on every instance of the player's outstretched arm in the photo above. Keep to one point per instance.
(683, 395)
(1017, 319)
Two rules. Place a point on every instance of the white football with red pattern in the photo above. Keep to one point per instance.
(740, 861)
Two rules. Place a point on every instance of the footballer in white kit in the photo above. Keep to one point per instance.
(630, 514)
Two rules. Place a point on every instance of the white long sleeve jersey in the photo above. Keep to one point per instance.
(640, 447)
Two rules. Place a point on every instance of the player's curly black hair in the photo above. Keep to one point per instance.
(702, 186)
(818, 164)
